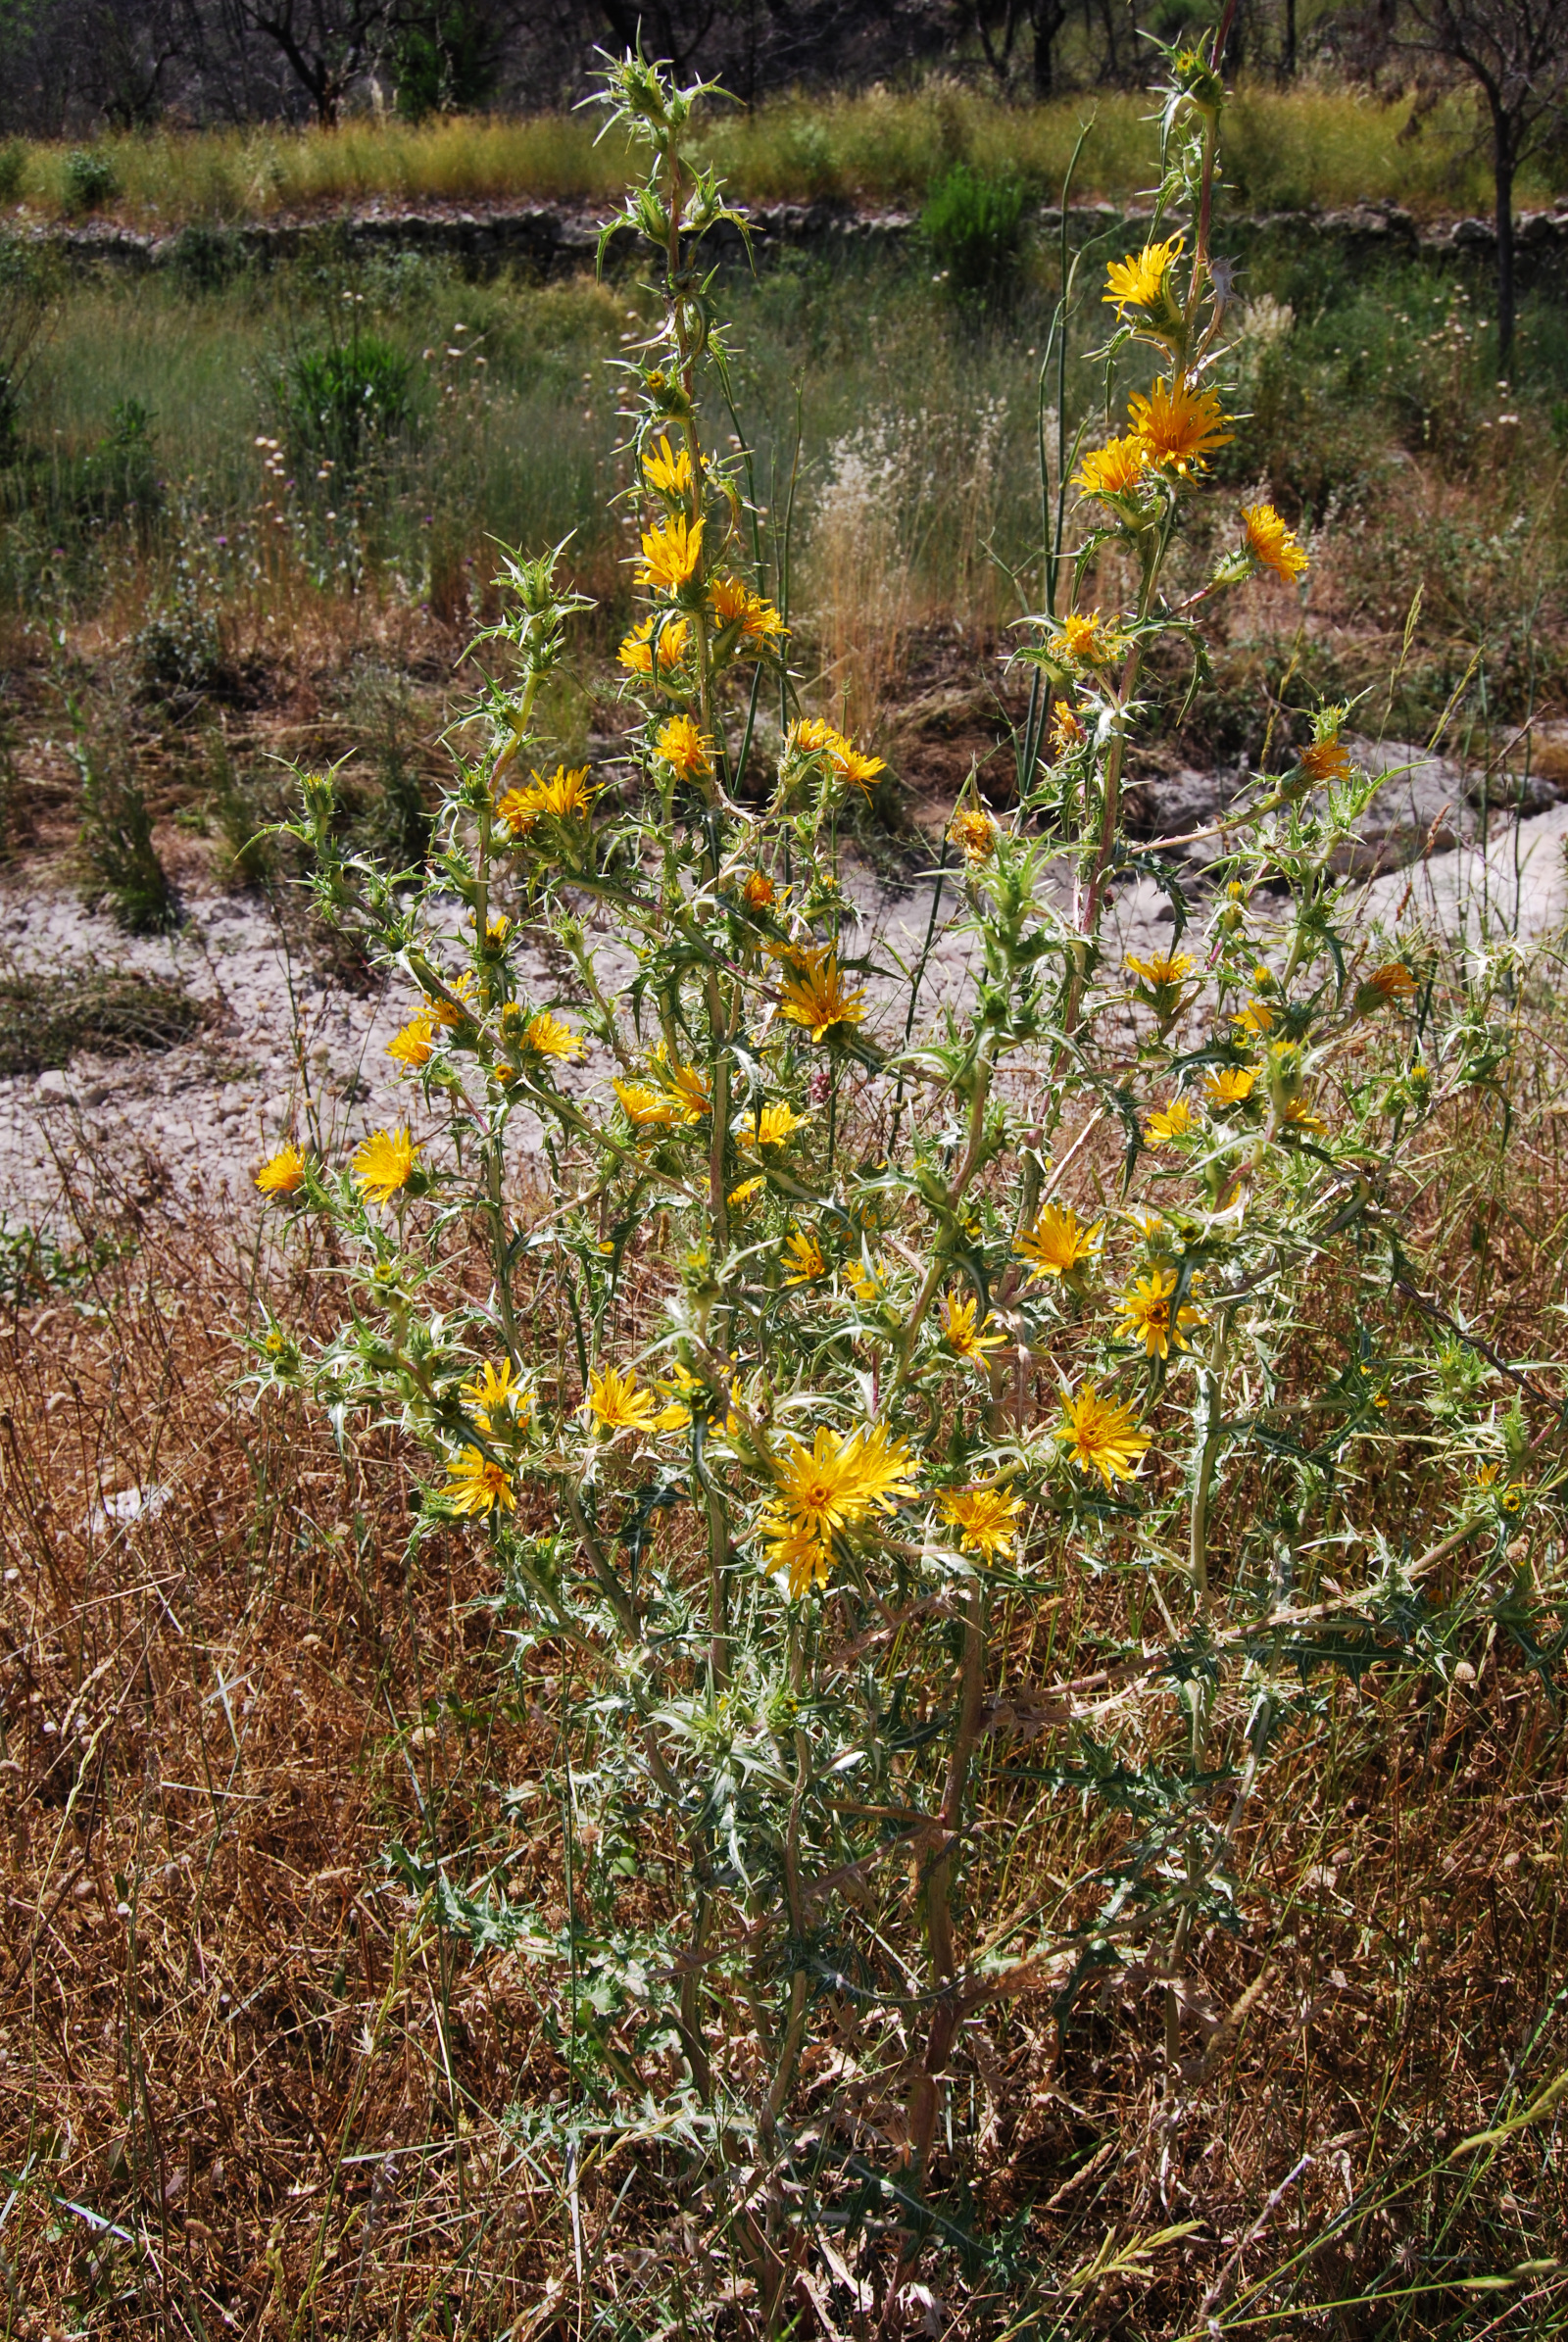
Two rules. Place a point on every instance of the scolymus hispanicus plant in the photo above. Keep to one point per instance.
(850, 1341)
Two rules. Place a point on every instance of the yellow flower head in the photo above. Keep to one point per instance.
(1162, 967)
(986, 1519)
(813, 994)
(772, 1127)
(550, 1036)
(763, 623)
(283, 1173)
(1101, 1435)
(834, 1484)
(685, 1085)
(564, 796)
(667, 474)
(413, 1045)
(853, 766)
(1170, 1121)
(1394, 981)
(739, 1199)
(1138, 283)
(476, 1486)
(804, 1257)
(805, 1560)
(813, 735)
(1256, 1018)
(1325, 760)
(617, 1404)
(1087, 641)
(1230, 1085)
(1179, 426)
(650, 1109)
(1116, 469)
(685, 750)
(758, 892)
(1057, 1242)
(974, 831)
(1299, 1115)
(1066, 732)
(1146, 1314)
(865, 1283)
(636, 652)
(729, 597)
(494, 1394)
(735, 605)
(962, 1334)
(452, 1014)
(1272, 545)
(671, 554)
(385, 1163)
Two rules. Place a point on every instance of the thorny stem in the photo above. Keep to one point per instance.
(795, 2021)
(1209, 1377)
(955, 1194)
(938, 1877)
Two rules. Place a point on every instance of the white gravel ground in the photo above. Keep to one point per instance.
(288, 1050)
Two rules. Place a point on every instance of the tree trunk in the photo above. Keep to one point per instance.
(1049, 18)
(1288, 56)
(1503, 167)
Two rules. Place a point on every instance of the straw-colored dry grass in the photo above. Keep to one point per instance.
(248, 2086)
(1313, 144)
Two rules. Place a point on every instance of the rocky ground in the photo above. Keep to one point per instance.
(289, 1047)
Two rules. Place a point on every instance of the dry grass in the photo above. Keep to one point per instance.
(247, 2086)
(1311, 144)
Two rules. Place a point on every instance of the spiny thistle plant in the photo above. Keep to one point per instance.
(846, 1340)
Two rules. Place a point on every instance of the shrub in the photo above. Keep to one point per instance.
(849, 1345)
(446, 60)
(89, 180)
(397, 824)
(121, 862)
(46, 1019)
(204, 258)
(341, 401)
(245, 814)
(974, 228)
(178, 654)
(27, 298)
(13, 170)
(35, 1263)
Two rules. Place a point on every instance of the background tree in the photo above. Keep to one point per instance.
(448, 59)
(324, 45)
(1514, 55)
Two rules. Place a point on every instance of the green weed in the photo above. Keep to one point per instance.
(974, 226)
(35, 1264)
(89, 179)
(342, 401)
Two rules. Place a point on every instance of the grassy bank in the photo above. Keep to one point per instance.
(1308, 145)
(180, 497)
